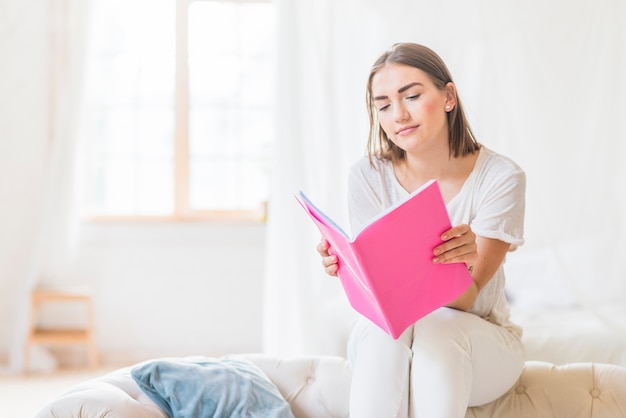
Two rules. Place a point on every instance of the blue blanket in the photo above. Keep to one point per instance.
(203, 388)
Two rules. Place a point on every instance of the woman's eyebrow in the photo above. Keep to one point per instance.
(400, 90)
(408, 86)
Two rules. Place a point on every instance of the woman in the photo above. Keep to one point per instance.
(467, 353)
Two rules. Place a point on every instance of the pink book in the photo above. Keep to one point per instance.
(386, 270)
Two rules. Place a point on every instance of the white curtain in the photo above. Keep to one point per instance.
(42, 42)
(542, 83)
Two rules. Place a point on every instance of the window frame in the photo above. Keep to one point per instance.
(182, 210)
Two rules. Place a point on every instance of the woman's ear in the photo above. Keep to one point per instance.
(450, 96)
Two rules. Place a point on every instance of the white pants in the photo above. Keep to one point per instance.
(445, 362)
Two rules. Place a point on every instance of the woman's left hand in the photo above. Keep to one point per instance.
(459, 246)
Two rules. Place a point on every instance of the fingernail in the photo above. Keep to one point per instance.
(436, 260)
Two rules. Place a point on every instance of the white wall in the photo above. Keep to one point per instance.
(173, 288)
(164, 289)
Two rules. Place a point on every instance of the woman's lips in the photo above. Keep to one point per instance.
(406, 130)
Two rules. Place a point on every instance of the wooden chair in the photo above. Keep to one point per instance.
(61, 335)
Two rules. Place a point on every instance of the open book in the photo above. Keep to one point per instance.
(387, 270)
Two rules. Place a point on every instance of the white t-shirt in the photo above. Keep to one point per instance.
(491, 200)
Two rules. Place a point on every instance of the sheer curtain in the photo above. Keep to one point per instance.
(542, 83)
(43, 81)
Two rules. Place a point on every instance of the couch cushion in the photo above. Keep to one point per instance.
(210, 387)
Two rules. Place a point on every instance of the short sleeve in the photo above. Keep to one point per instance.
(500, 204)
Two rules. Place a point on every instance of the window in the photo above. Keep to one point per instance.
(178, 120)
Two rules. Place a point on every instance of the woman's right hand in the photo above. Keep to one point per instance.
(329, 261)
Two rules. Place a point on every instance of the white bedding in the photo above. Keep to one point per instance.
(569, 300)
(573, 334)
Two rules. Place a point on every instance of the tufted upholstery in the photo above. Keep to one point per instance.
(574, 390)
(318, 387)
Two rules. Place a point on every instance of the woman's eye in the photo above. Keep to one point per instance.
(413, 97)
(383, 108)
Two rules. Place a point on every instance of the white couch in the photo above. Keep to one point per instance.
(318, 387)
(576, 368)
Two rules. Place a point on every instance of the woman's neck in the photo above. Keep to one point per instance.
(451, 172)
(417, 168)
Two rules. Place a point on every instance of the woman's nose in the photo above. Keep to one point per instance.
(400, 113)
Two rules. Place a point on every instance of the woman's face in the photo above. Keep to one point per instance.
(411, 110)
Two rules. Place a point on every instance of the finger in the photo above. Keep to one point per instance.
(462, 244)
(331, 265)
(456, 231)
(323, 247)
(331, 270)
(465, 253)
(329, 261)
(459, 241)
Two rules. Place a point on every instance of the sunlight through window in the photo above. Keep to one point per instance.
(149, 153)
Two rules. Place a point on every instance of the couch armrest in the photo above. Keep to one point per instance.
(593, 390)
